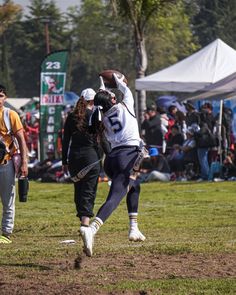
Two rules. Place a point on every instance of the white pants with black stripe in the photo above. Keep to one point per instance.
(7, 194)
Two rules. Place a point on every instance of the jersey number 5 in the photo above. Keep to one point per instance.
(115, 123)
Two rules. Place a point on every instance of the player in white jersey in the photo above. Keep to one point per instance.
(121, 130)
(121, 126)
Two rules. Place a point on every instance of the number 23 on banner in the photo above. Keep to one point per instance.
(53, 65)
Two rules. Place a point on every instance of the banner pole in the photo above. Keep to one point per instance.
(52, 89)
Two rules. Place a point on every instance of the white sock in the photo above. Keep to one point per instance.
(133, 221)
(96, 224)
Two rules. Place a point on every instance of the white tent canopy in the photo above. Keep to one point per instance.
(225, 88)
(209, 65)
(17, 103)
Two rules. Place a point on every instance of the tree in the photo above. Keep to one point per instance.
(28, 44)
(99, 42)
(215, 19)
(169, 38)
(109, 41)
(139, 13)
(9, 13)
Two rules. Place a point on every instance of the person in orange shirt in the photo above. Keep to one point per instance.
(7, 170)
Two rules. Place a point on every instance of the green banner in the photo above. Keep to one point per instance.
(52, 88)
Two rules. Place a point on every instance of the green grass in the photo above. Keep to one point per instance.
(182, 286)
(177, 218)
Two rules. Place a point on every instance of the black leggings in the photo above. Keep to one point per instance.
(118, 166)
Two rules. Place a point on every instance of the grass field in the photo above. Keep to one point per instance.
(190, 246)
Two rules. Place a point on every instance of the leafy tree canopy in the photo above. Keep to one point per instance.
(215, 19)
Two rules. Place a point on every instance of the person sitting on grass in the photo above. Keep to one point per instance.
(155, 168)
(184, 155)
(229, 166)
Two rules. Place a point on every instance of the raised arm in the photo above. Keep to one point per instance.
(122, 86)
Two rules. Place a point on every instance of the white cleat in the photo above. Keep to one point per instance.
(135, 235)
(88, 238)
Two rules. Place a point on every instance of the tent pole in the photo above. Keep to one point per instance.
(136, 106)
(220, 130)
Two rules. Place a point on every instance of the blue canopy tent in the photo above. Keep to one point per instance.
(166, 101)
(70, 98)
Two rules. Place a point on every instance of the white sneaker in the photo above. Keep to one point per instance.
(199, 180)
(135, 235)
(88, 238)
(218, 179)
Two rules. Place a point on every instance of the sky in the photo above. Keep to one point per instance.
(62, 4)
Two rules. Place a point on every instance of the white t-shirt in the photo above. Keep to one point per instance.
(121, 126)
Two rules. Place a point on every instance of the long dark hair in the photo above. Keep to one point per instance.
(80, 114)
(96, 126)
(102, 103)
(103, 98)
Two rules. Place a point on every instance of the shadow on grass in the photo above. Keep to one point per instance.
(78, 261)
(190, 182)
(27, 265)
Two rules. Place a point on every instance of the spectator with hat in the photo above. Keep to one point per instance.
(39, 169)
(151, 128)
(192, 115)
(81, 156)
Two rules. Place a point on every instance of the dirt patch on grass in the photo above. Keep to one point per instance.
(84, 275)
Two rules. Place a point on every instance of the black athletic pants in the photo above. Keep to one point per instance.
(85, 189)
(118, 166)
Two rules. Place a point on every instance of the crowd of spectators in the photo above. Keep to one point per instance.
(182, 146)
(50, 168)
(188, 146)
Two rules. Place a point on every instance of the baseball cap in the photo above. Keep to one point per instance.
(153, 152)
(151, 108)
(190, 130)
(88, 94)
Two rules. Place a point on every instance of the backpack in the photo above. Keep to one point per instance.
(3, 148)
(13, 148)
(6, 117)
(205, 138)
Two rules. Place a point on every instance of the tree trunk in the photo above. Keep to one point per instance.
(5, 65)
(5, 70)
(141, 66)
